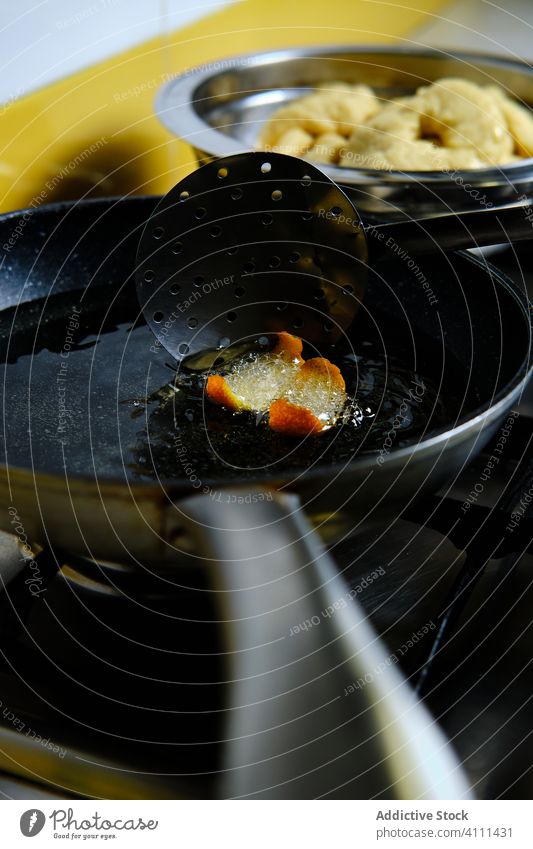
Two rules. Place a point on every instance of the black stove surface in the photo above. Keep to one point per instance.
(109, 676)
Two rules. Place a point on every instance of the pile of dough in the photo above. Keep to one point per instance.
(318, 124)
(450, 124)
(300, 397)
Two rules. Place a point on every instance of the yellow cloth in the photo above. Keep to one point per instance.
(95, 132)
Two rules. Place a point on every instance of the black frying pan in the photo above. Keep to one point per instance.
(462, 331)
(101, 456)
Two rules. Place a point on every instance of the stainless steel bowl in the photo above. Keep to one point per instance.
(219, 110)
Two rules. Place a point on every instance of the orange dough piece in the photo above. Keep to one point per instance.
(321, 368)
(297, 420)
(285, 417)
(217, 387)
(219, 392)
(289, 345)
(311, 393)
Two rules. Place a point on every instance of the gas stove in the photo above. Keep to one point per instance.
(110, 674)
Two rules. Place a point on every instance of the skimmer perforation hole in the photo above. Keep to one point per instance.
(274, 262)
(198, 281)
(183, 348)
(158, 316)
(222, 173)
(184, 195)
(158, 232)
(216, 231)
(177, 248)
(175, 289)
(231, 316)
(297, 322)
(277, 194)
(192, 322)
(240, 291)
(236, 194)
(306, 180)
(201, 212)
(149, 275)
(248, 267)
(267, 219)
(294, 256)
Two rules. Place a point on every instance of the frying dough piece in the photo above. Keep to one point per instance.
(389, 140)
(434, 130)
(447, 125)
(294, 142)
(398, 120)
(326, 148)
(519, 121)
(253, 383)
(371, 148)
(301, 397)
(348, 105)
(462, 158)
(313, 402)
(418, 155)
(461, 114)
(336, 108)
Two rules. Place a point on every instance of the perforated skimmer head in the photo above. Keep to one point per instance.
(250, 244)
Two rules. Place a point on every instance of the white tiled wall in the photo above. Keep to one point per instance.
(43, 40)
(487, 26)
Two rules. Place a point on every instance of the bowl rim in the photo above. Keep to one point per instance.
(187, 123)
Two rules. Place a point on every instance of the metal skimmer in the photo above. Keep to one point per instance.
(246, 245)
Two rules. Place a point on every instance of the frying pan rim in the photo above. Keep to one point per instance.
(362, 460)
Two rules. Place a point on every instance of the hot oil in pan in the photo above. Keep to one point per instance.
(115, 410)
(63, 384)
(189, 436)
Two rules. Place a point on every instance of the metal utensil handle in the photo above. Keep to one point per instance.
(316, 705)
(454, 231)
